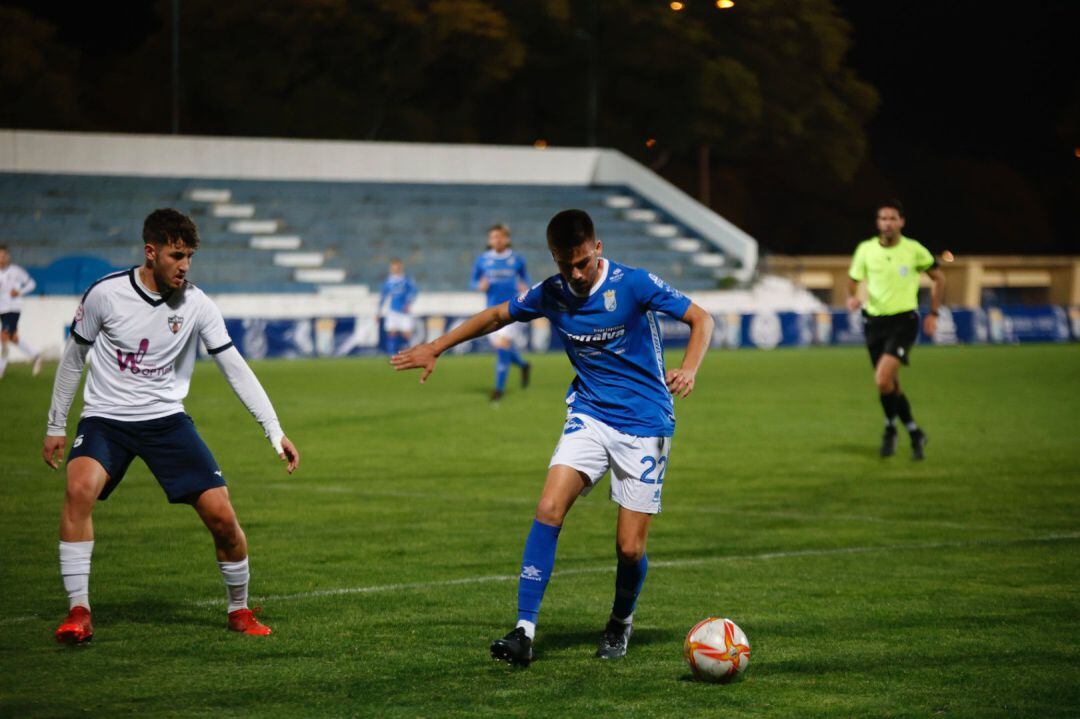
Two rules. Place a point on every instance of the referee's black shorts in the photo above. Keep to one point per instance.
(891, 335)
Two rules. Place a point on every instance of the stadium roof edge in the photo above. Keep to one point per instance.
(216, 158)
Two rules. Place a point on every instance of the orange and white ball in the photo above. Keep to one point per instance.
(717, 650)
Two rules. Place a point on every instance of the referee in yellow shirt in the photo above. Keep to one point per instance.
(890, 265)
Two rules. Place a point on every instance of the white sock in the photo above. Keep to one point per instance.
(912, 427)
(529, 627)
(3, 365)
(75, 569)
(627, 620)
(26, 348)
(236, 576)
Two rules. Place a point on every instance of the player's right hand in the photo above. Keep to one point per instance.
(418, 357)
(53, 451)
(853, 303)
(290, 454)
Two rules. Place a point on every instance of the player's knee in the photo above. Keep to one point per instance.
(81, 493)
(550, 512)
(630, 549)
(885, 381)
(226, 529)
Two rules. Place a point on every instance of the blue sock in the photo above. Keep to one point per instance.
(536, 564)
(629, 579)
(515, 357)
(502, 368)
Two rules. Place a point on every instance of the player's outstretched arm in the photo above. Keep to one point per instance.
(424, 356)
(66, 384)
(680, 381)
(248, 388)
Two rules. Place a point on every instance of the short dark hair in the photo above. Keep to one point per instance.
(500, 227)
(4, 248)
(891, 204)
(570, 228)
(168, 226)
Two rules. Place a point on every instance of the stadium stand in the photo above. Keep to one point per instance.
(293, 236)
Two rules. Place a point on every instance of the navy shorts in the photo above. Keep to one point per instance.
(9, 322)
(172, 449)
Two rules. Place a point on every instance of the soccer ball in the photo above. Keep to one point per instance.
(716, 650)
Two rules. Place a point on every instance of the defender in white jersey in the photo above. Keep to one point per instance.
(15, 283)
(140, 329)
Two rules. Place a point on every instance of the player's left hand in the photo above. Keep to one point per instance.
(53, 450)
(680, 382)
(418, 357)
(290, 454)
(930, 325)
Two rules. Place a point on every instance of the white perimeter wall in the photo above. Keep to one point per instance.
(44, 318)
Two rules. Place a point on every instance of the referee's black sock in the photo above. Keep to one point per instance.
(889, 404)
(903, 410)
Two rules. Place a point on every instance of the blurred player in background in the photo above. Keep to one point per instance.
(140, 328)
(890, 264)
(15, 283)
(501, 274)
(620, 412)
(395, 306)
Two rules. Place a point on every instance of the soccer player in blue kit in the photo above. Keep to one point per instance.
(395, 306)
(620, 411)
(501, 275)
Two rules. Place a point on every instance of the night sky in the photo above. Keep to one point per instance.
(976, 81)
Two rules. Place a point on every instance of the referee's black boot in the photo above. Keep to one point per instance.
(888, 441)
(514, 648)
(918, 441)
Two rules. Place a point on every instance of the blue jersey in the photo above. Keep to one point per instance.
(503, 271)
(612, 338)
(400, 291)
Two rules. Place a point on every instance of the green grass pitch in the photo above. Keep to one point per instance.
(867, 588)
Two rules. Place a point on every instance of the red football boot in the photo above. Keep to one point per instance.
(76, 629)
(243, 620)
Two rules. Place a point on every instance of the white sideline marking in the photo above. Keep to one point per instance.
(838, 517)
(341, 489)
(608, 568)
(673, 563)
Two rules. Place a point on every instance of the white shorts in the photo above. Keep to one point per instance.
(509, 333)
(397, 322)
(637, 464)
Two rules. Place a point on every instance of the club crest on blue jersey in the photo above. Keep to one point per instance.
(573, 425)
(609, 300)
(175, 322)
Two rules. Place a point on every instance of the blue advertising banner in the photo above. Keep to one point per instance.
(364, 336)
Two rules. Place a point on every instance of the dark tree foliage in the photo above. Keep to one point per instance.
(759, 100)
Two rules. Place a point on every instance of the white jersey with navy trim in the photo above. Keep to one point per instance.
(14, 277)
(143, 345)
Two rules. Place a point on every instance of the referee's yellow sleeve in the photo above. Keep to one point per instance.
(924, 259)
(857, 271)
